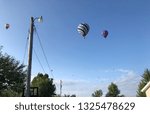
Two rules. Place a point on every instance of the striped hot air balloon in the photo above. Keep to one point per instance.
(83, 29)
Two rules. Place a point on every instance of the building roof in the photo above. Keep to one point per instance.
(146, 87)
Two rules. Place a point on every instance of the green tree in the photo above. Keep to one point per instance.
(145, 79)
(44, 84)
(12, 76)
(113, 91)
(97, 93)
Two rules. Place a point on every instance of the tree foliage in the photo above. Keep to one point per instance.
(12, 76)
(145, 79)
(44, 84)
(113, 91)
(97, 93)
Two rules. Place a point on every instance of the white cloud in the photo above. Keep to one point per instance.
(127, 81)
(78, 87)
(123, 70)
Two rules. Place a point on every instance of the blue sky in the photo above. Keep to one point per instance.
(88, 64)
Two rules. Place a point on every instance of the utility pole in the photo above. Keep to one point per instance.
(60, 87)
(30, 47)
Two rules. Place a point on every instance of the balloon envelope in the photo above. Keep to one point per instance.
(7, 26)
(83, 29)
(105, 33)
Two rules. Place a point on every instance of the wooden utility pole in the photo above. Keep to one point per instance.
(30, 48)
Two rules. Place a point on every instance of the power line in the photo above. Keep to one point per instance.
(38, 60)
(25, 50)
(34, 53)
(43, 50)
(52, 74)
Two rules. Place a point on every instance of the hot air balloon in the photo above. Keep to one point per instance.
(105, 33)
(7, 26)
(83, 29)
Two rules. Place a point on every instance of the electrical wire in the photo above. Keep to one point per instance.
(38, 60)
(25, 50)
(52, 74)
(43, 51)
